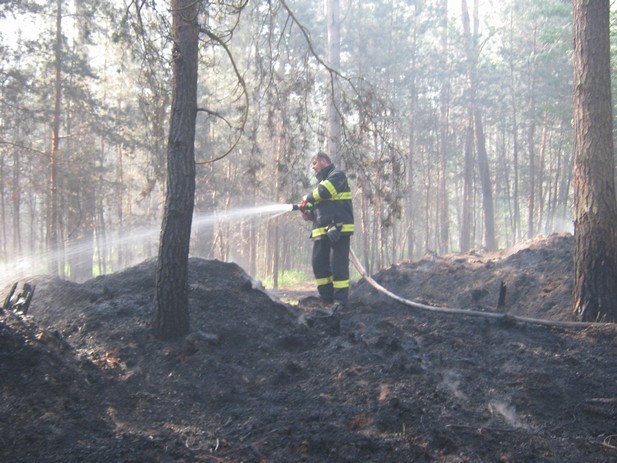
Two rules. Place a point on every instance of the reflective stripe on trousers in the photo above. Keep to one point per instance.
(331, 261)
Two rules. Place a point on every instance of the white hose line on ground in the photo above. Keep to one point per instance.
(472, 313)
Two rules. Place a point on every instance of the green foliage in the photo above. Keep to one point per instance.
(289, 279)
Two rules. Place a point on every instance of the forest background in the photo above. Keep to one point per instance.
(456, 130)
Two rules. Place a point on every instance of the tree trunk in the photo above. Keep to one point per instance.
(119, 205)
(364, 220)
(411, 193)
(428, 196)
(444, 105)
(595, 222)
(556, 164)
(540, 176)
(531, 135)
(3, 254)
(475, 120)
(516, 220)
(487, 189)
(334, 61)
(276, 242)
(503, 182)
(465, 239)
(532, 180)
(171, 315)
(16, 200)
(53, 212)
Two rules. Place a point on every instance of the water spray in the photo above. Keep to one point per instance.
(143, 238)
(303, 206)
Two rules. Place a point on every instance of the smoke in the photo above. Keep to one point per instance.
(500, 409)
(560, 225)
(451, 383)
(507, 412)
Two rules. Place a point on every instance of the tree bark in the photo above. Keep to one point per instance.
(487, 189)
(411, 198)
(465, 239)
(53, 244)
(475, 118)
(3, 254)
(540, 176)
(171, 315)
(275, 225)
(444, 109)
(516, 220)
(16, 200)
(595, 222)
(531, 144)
(334, 61)
(120, 204)
(365, 228)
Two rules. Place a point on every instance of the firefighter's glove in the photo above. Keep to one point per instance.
(305, 206)
(334, 233)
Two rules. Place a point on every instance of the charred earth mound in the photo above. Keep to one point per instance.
(537, 274)
(257, 380)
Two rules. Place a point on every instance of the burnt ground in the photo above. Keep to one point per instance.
(82, 379)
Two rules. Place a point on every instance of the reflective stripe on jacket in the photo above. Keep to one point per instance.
(332, 203)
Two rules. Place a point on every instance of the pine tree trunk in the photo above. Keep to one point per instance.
(54, 208)
(475, 120)
(540, 177)
(487, 190)
(3, 254)
(334, 61)
(364, 219)
(531, 134)
(16, 199)
(171, 315)
(276, 243)
(516, 220)
(444, 108)
(465, 239)
(595, 288)
(119, 205)
(411, 192)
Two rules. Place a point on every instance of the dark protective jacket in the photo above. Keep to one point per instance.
(331, 200)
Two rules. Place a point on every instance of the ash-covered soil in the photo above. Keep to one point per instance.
(82, 379)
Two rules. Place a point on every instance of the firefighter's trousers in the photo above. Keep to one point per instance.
(331, 268)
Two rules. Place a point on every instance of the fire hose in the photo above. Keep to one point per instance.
(472, 313)
(505, 317)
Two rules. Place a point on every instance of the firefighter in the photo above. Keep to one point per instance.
(330, 208)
